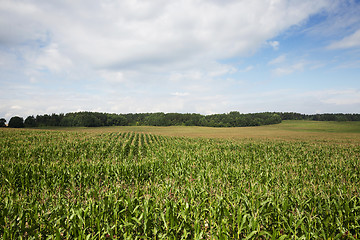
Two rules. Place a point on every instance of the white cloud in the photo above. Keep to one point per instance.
(341, 17)
(278, 60)
(112, 76)
(132, 54)
(180, 94)
(340, 97)
(7, 60)
(281, 71)
(19, 23)
(247, 69)
(134, 34)
(274, 44)
(16, 107)
(52, 59)
(348, 42)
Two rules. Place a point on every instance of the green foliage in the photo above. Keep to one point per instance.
(95, 119)
(232, 119)
(81, 185)
(16, 122)
(2, 122)
(30, 121)
(320, 117)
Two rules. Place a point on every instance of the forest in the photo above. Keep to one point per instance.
(231, 119)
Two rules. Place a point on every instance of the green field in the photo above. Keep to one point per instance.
(294, 180)
(299, 130)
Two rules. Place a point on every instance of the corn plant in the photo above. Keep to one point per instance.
(82, 185)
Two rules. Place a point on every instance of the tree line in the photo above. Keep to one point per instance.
(340, 117)
(232, 119)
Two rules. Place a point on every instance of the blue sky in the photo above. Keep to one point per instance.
(203, 56)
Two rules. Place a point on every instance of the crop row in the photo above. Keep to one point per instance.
(62, 185)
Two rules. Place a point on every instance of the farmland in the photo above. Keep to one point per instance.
(297, 179)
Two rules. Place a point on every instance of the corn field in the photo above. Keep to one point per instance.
(79, 185)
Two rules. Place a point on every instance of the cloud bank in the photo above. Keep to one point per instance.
(125, 35)
(131, 56)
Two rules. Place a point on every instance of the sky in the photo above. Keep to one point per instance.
(186, 56)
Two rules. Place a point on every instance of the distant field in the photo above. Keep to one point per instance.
(287, 130)
(294, 180)
(321, 126)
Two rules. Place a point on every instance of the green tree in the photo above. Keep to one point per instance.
(16, 122)
(156, 119)
(2, 122)
(30, 121)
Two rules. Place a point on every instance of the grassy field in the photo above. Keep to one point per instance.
(287, 130)
(294, 180)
